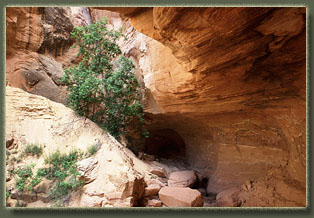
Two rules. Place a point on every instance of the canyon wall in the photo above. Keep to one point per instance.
(38, 47)
(231, 82)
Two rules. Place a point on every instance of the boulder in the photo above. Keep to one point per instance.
(148, 202)
(227, 198)
(159, 171)
(43, 186)
(155, 181)
(182, 179)
(43, 197)
(180, 197)
(151, 190)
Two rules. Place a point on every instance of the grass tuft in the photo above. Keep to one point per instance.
(33, 149)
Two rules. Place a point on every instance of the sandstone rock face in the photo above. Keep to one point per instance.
(37, 74)
(38, 46)
(85, 168)
(231, 82)
(182, 179)
(57, 27)
(23, 30)
(271, 190)
(180, 197)
(80, 16)
(117, 175)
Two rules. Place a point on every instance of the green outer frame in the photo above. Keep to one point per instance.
(82, 212)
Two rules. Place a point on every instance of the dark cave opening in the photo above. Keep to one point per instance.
(165, 143)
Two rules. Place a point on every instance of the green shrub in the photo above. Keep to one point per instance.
(42, 172)
(63, 171)
(35, 181)
(33, 149)
(24, 174)
(103, 87)
(92, 149)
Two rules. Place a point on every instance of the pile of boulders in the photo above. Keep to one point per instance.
(174, 189)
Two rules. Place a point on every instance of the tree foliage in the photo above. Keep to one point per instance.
(103, 86)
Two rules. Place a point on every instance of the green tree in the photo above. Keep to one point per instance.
(103, 86)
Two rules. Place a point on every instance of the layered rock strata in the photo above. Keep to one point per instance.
(231, 82)
(38, 47)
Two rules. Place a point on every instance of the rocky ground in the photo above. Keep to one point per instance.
(113, 175)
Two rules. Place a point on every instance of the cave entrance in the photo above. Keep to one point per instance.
(165, 143)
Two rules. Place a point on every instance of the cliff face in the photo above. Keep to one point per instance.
(232, 83)
(38, 45)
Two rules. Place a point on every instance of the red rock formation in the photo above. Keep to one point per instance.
(38, 43)
(232, 83)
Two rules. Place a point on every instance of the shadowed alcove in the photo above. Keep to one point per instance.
(165, 143)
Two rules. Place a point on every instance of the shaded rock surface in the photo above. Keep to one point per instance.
(231, 81)
(38, 46)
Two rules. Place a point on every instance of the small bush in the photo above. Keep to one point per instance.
(41, 172)
(92, 149)
(24, 174)
(33, 149)
(63, 171)
(35, 181)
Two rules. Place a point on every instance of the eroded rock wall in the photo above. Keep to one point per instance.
(38, 47)
(231, 82)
